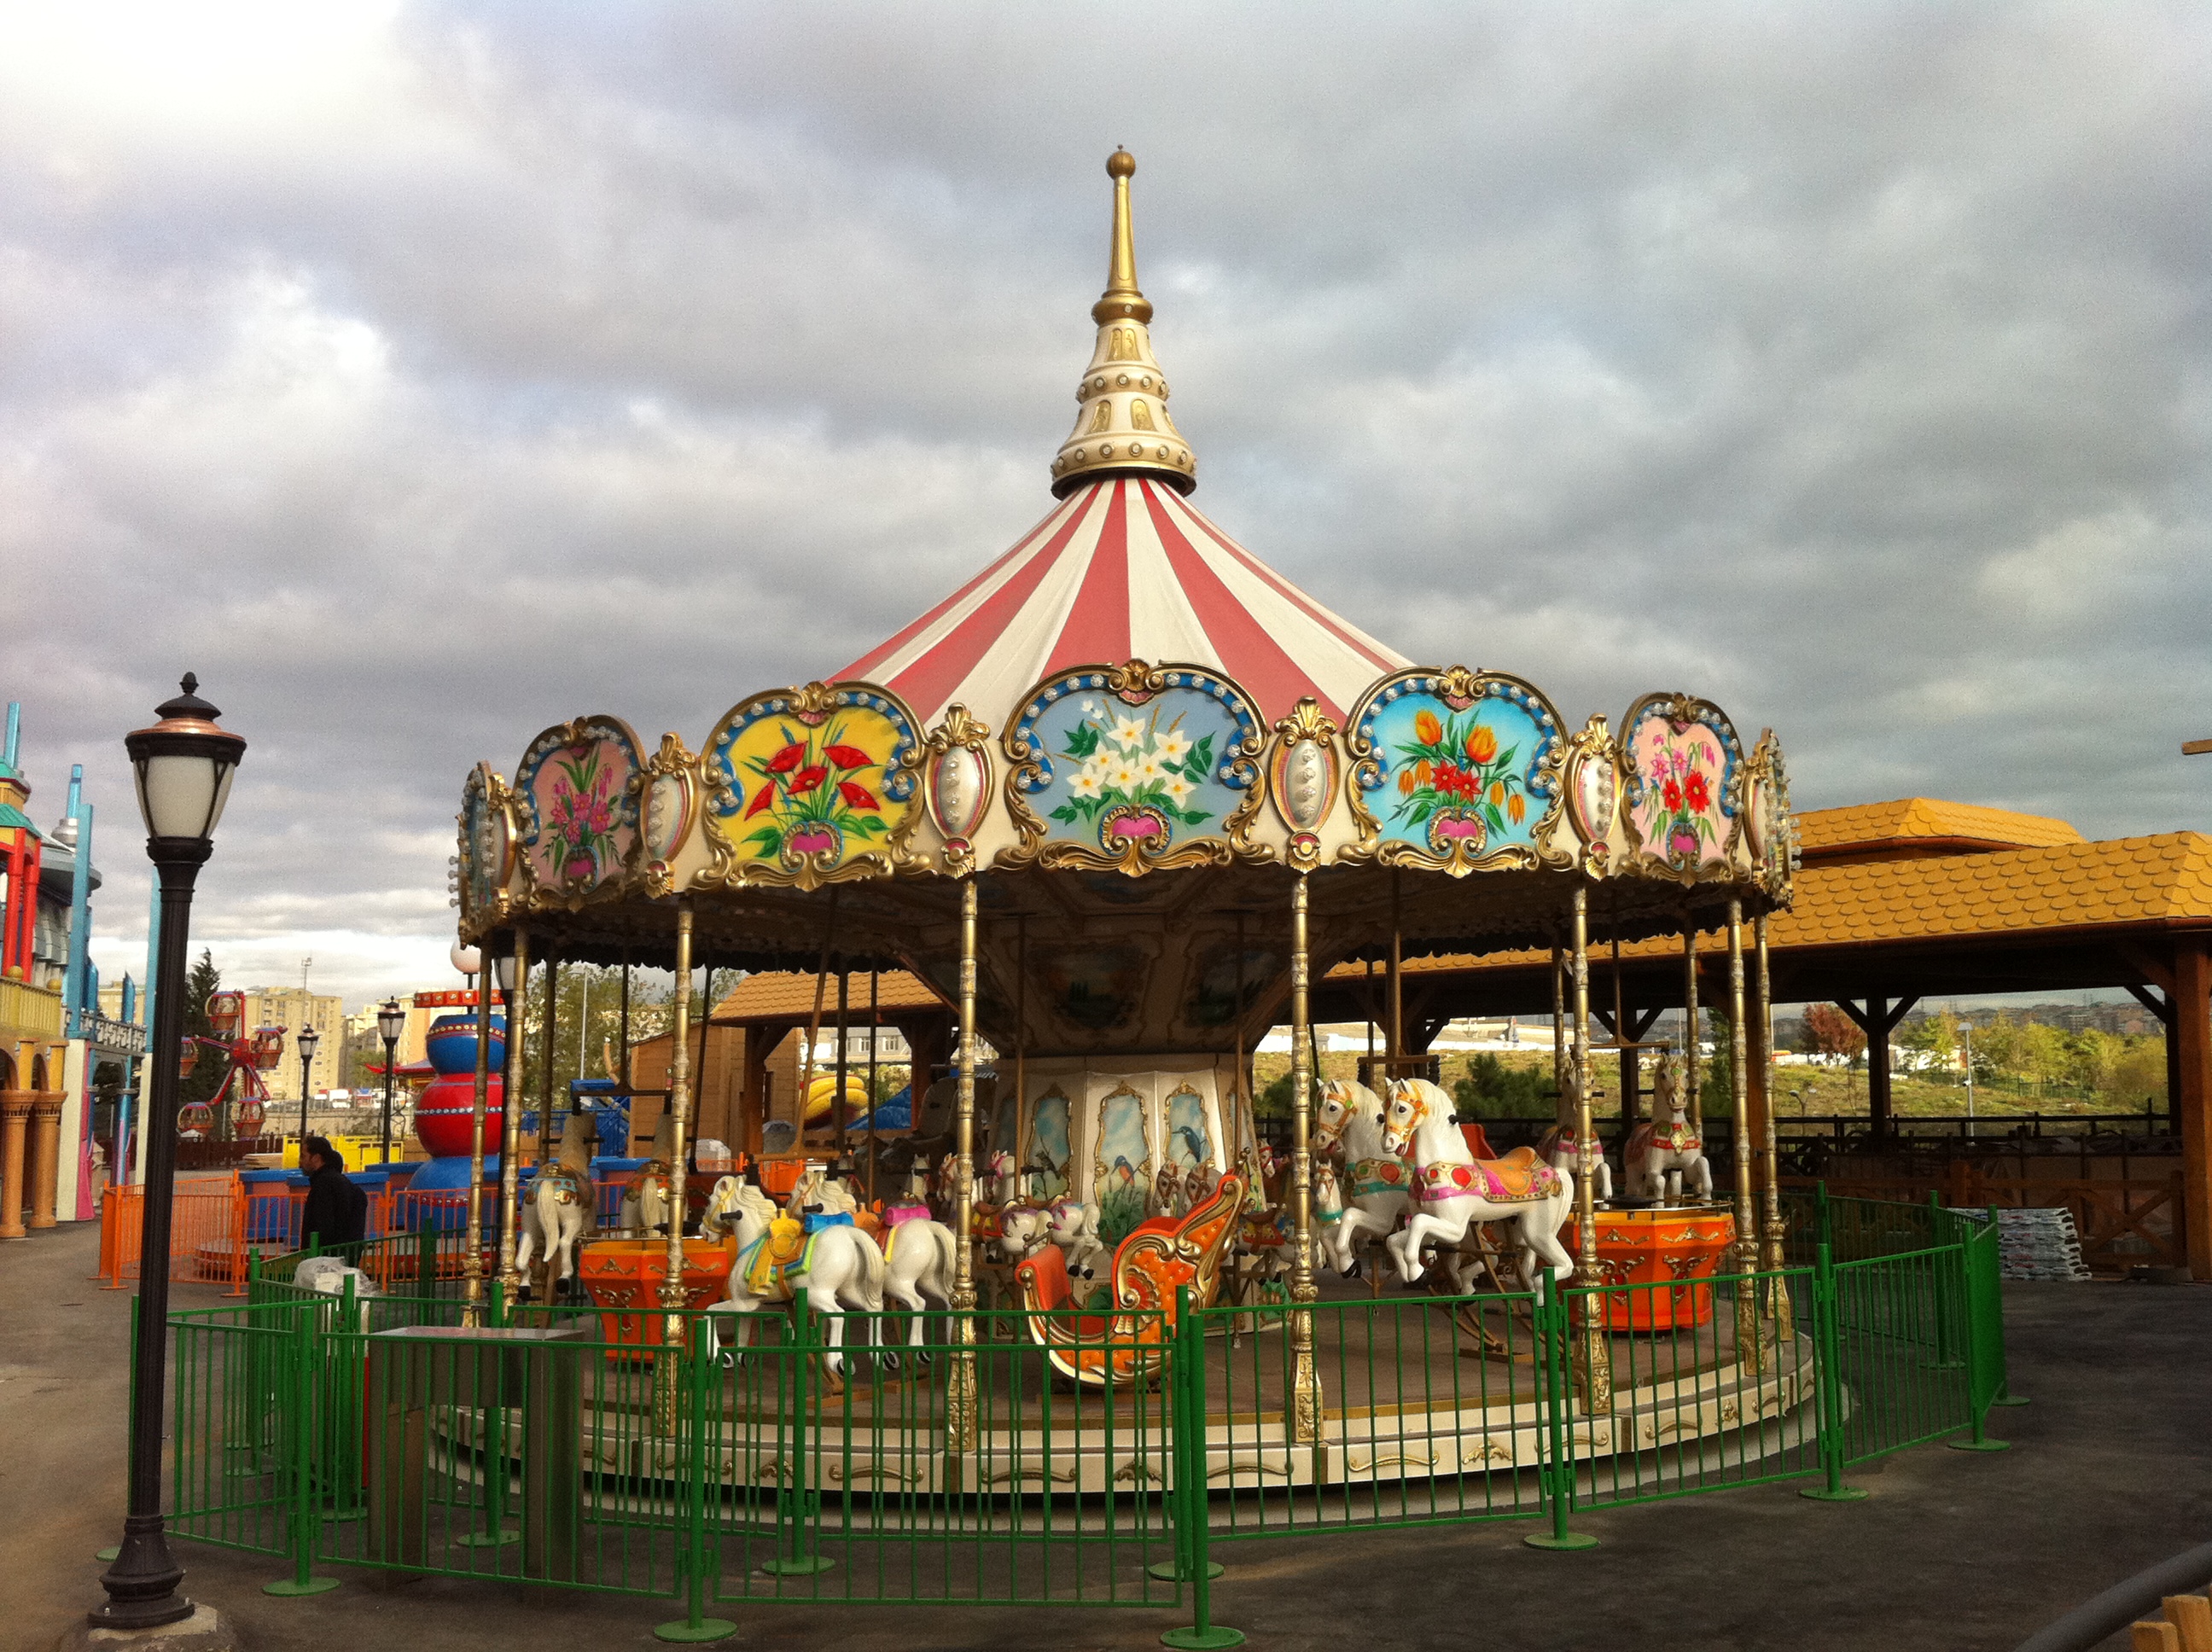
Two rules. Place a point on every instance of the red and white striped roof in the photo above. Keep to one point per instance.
(1124, 568)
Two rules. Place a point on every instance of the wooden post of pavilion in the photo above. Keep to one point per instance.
(2191, 1032)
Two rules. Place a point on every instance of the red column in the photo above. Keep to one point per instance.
(2192, 1030)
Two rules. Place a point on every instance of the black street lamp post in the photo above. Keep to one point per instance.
(184, 766)
(307, 1041)
(391, 1022)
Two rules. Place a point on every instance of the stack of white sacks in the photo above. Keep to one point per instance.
(2037, 1244)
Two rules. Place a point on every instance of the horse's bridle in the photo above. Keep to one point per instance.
(1415, 1100)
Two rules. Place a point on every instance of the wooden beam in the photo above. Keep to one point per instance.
(2142, 958)
(2159, 1006)
(2191, 1035)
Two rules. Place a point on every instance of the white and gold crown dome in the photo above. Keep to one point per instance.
(1122, 422)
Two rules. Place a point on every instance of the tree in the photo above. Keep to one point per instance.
(1493, 1089)
(1935, 1040)
(1273, 1101)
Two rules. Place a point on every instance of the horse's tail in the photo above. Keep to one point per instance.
(872, 1270)
(945, 1260)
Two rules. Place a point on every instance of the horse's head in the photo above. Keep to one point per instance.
(1414, 1102)
(1328, 1198)
(1024, 1230)
(1334, 1113)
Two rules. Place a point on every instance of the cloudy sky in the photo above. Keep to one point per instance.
(422, 375)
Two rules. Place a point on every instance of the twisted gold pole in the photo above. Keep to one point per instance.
(1305, 1379)
(1746, 1239)
(1593, 1350)
(510, 1139)
(960, 1392)
(665, 1370)
(1770, 1234)
(472, 1289)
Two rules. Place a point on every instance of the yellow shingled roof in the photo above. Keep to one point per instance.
(781, 996)
(2165, 879)
(1823, 831)
(2161, 881)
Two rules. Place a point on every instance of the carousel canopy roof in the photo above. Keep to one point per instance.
(1124, 568)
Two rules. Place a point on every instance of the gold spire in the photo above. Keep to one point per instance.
(1122, 422)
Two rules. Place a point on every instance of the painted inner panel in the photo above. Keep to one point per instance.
(807, 789)
(1682, 768)
(1452, 775)
(577, 792)
(1189, 1142)
(1049, 1144)
(1150, 772)
(1095, 988)
(1124, 1160)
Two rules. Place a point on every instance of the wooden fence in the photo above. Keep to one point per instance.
(2123, 1224)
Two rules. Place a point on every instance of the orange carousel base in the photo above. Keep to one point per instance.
(623, 1278)
(1658, 1247)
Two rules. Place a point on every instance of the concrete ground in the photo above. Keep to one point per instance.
(1953, 1551)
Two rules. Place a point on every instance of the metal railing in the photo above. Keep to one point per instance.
(945, 1461)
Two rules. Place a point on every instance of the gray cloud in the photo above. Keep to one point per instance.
(422, 378)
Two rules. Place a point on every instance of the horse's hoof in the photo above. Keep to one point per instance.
(889, 1362)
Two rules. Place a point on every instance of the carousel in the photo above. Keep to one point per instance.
(1117, 799)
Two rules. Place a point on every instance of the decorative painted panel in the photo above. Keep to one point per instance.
(812, 785)
(487, 848)
(1189, 1141)
(1094, 988)
(1122, 1161)
(575, 809)
(1133, 768)
(1681, 757)
(1051, 1146)
(1454, 770)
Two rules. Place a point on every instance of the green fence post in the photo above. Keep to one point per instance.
(1554, 1328)
(1823, 1232)
(799, 1505)
(1828, 1403)
(1948, 1288)
(698, 1462)
(1186, 1396)
(1984, 1305)
(2005, 1395)
(426, 1257)
(299, 1451)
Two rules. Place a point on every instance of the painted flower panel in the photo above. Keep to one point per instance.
(1149, 772)
(583, 832)
(800, 789)
(1447, 774)
(1682, 767)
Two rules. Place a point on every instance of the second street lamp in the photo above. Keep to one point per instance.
(306, 1040)
(184, 766)
(391, 1022)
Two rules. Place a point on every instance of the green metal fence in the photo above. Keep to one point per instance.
(374, 1431)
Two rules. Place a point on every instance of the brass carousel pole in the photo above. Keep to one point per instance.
(472, 1218)
(814, 1026)
(1397, 1046)
(1558, 1021)
(1305, 1377)
(1690, 1042)
(1021, 1056)
(624, 1074)
(960, 1389)
(844, 1063)
(1593, 1352)
(875, 1026)
(1746, 1239)
(1771, 1230)
(510, 1137)
(666, 1372)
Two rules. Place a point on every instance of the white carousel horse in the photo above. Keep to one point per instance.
(918, 1263)
(1559, 1146)
(823, 1190)
(1070, 1223)
(1380, 1184)
(651, 1195)
(1453, 1190)
(1656, 1152)
(838, 1267)
(562, 1203)
(1001, 1183)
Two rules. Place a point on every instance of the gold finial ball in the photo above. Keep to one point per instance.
(1121, 164)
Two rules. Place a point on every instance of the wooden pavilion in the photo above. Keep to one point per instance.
(1896, 902)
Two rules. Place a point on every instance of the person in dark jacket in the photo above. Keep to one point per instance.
(336, 1212)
